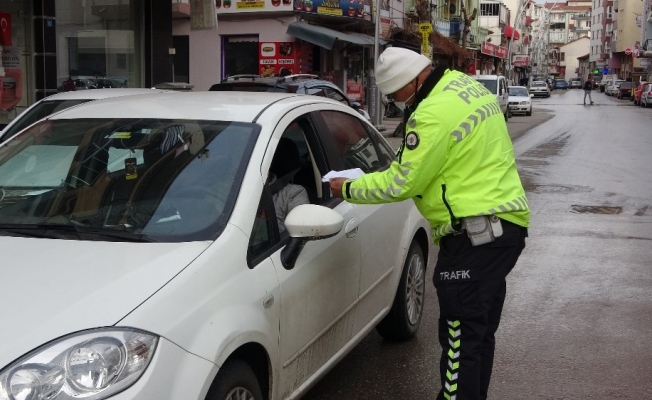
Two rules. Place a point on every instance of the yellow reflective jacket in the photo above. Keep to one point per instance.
(457, 160)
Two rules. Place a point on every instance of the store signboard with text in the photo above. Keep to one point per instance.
(491, 49)
(275, 56)
(239, 6)
(520, 61)
(340, 8)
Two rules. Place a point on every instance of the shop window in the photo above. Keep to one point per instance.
(99, 45)
(240, 55)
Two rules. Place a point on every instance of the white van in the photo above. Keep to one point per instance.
(497, 84)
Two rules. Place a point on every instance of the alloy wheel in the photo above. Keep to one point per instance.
(239, 393)
(415, 288)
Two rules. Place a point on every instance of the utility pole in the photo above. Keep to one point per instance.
(376, 101)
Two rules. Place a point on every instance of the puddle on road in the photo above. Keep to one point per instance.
(579, 209)
(552, 147)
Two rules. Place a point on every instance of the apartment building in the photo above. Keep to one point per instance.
(625, 41)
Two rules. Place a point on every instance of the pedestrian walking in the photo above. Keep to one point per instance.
(588, 86)
(457, 164)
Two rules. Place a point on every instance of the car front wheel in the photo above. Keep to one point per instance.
(404, 318)
(235, 381)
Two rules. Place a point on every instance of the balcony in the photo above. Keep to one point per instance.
(580, 29)
(581, 17)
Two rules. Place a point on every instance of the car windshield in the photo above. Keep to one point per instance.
(168, 180)
(515, 91)
(39, 111)
(489, 84)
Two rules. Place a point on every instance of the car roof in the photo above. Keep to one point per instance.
(219, 106)
(96, 94)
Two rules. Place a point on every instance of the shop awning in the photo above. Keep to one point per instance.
(326, 37)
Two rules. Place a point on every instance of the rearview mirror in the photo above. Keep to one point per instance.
(305, 223)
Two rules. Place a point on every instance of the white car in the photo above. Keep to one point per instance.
(143, 255)
(497, 84)
(61, 101)
(612, 87)
(540, 89)
(520, 100)
(646, 95)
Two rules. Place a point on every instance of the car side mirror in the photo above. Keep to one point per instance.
(305, 223)
(531, 95)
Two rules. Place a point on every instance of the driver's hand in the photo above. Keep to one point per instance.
(336, 186)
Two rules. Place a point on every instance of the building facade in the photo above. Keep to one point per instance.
(101, 43)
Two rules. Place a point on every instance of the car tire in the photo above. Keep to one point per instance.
(234, 381)
(404, 318)
(529, 113)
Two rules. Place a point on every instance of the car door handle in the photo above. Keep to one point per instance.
(351, 228)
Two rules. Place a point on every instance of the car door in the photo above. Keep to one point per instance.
(503, 95)
(381, 229)
(319, 294)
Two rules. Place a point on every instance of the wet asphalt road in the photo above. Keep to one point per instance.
(577, 323)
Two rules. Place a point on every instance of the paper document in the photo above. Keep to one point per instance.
(347, 173)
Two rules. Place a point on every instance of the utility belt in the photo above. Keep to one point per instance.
(481, 230)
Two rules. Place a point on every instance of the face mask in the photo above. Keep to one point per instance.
(400, 105)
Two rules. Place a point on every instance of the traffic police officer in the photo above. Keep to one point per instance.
(457, 164)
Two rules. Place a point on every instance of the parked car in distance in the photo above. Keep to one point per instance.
(596, 82)
(520, 100)
(60, 101)
(497, 84)
(561, 84)
(639, 92)
(539, 89)
(298, 83)
(612, 87)
(151, 223)
(625, 90)
(646, 95)
(575, 83)
(606, 80)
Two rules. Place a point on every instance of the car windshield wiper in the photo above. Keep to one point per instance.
(60, 231)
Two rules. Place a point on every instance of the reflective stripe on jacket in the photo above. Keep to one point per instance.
(456, 160)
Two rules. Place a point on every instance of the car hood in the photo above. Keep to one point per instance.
(51, 288)
(519, 98)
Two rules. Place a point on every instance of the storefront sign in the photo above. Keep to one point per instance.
(601, 63)
(202, 15)
(277, 56)
(520, 61)
(239, 6)
(5, 29)
(353, 90)
(501, 52)
(488, 49)
(425, 29)
(346, 8)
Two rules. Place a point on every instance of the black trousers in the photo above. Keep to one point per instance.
(470, 283)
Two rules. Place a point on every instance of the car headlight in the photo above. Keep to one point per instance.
(525, 103)
(90, 365)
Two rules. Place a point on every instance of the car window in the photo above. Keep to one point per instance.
(539, 84)
(490, 84)
(262, 237)
(354, 147)
(172, 180)
(335, 95)
(518, 92)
